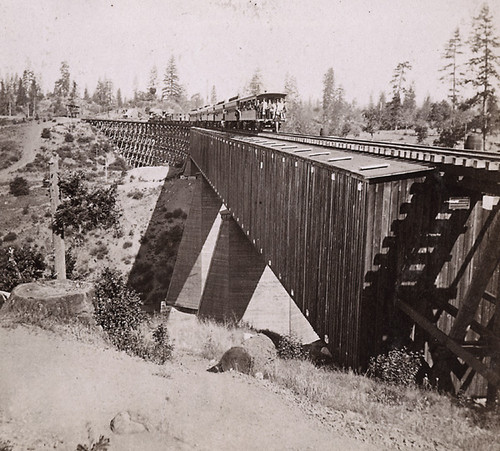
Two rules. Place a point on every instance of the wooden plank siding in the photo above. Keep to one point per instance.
(311, 223)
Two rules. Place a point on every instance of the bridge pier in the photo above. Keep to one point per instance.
(220, 275)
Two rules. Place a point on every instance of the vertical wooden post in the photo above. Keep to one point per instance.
(492, 392)
(58, 241)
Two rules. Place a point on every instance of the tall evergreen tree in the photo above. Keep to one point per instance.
(398, 81)
(328, 93)
(294, 119)
(256, 84)
(119, 100)
(62, 85)
(74, 91)
(452, 69)
(103, 94)
(409, 107)
(483, 65)
(172, 89)
(213, 95)
(22, 95)
(153, 83)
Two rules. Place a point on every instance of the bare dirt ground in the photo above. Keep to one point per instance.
(30, 142)
(54, 390)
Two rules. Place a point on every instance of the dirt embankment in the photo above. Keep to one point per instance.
(53, 390)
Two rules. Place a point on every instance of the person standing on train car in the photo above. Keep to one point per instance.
(263, 108)
(272, 110)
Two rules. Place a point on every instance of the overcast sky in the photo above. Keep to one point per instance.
(221, 42)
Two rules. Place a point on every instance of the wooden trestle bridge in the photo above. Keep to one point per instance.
(378, 244)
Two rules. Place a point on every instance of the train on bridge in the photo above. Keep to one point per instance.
(254, 112)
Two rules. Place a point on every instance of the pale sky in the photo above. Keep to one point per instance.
(222, 42)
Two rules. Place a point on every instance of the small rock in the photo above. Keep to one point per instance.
(128, 423)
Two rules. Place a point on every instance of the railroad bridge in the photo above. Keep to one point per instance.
(376, 244)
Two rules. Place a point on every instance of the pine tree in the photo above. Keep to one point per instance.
(213, 96)
(172, 89)
(328, 93)
(22, 95)
(62, 85)
(483, 65)
(256, 85)
(74, 91)
(409, 107)
(153, 83)
(103, 94)
(399, 78)
(119, 100)
(294, 119)
(453, 73)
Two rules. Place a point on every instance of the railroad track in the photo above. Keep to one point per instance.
(488, 161)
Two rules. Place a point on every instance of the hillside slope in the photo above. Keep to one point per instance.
(53, 389)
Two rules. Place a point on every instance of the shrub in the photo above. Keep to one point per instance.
(177, 213)
(11, 236)
(84, 139)
(127, 244)
(19, 187)
(118, 165)
(398, 366)
(19, 265)
(422, 132)
(46, 133)
(117, 309)
(136, 194)
(69, 138)
(289, 347)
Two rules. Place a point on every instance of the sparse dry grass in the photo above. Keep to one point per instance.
(203, 338)
(425, 414)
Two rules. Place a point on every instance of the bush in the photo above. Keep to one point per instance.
(117, 309)
(19, 265)
(19, 187)
(84, 139)
(69, 138)
(177, 213)
(136, 194)
(289, 347)
(46, 133)
(11, 236)
(398, 366)
(127, 244)
(118, 165)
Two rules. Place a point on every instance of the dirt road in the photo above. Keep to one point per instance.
(30, 142)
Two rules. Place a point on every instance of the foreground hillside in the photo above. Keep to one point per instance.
(61, 386)
(54, 389)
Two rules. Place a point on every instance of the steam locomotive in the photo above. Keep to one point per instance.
(255, 112)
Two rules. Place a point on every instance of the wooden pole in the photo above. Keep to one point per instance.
(58, 241)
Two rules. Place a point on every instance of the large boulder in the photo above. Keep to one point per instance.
(262, 352)
(63, 299)
(235, 359)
